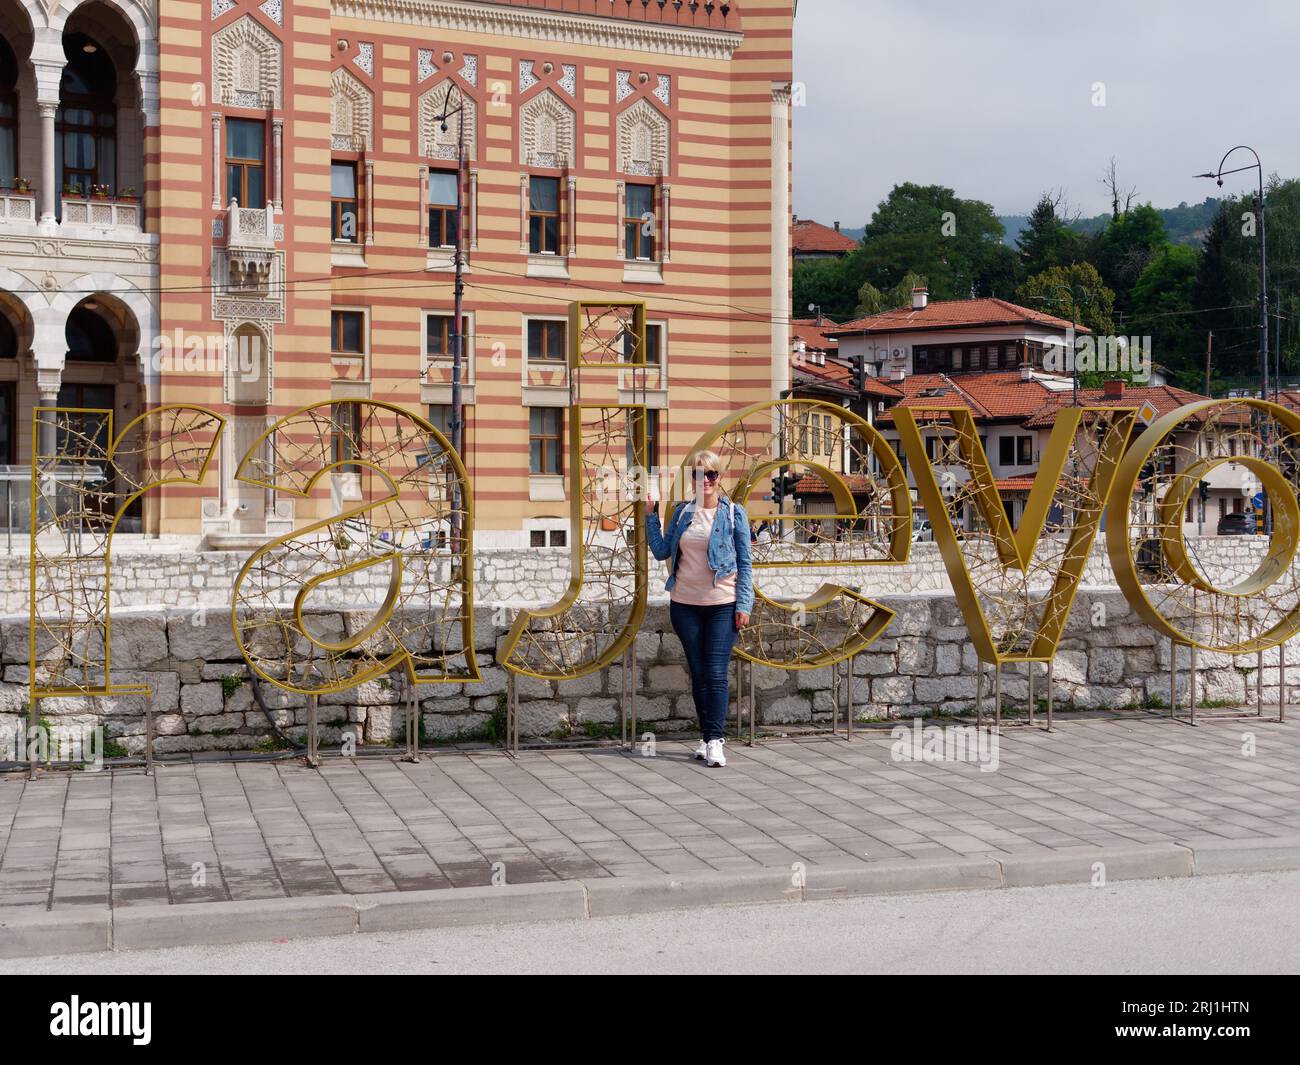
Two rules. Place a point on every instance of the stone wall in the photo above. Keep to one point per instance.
(923, 662)
(148, 576)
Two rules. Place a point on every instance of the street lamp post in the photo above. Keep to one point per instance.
(1218, 175)
(457, 340)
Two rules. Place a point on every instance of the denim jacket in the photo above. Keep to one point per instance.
(728, 546)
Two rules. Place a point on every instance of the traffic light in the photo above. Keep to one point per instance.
(1205, 491)
(783, 484)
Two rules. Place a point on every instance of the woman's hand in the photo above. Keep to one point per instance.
(649, 506)
(742, 619)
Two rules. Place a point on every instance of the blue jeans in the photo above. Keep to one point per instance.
(708, 634)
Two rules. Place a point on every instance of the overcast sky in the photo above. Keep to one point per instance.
(995, 99)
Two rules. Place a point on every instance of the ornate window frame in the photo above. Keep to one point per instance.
(247, 65)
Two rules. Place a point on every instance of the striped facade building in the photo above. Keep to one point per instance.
(250, 205)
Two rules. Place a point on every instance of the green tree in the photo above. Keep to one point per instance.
(928, 229)
(1054, 289)
(872, 301)
(1226, 293)
(1162, 303)
(1127, 246)
(1047, 241)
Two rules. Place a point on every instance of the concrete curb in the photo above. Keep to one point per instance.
(83, 929)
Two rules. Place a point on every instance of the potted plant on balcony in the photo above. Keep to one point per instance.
(72, 190)
(22, 184)
(127, 194)
(100, 192)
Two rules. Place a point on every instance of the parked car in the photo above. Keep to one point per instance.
(1237, 525)
(922, 533)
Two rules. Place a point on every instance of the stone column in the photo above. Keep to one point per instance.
(667, 249)
(523, 214)
(780, 178)
(277, 154)
(422, 182)
(573, 216)
(216, 162)
(370, 203)
(49, 181)
(620, 195)
(47, 386)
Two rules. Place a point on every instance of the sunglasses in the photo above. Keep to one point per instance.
(710, 476)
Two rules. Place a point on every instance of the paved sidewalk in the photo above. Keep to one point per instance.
(221, 832)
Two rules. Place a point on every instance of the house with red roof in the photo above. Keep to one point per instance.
(812, 240)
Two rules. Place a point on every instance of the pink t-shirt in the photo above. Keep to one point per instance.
(694, 584)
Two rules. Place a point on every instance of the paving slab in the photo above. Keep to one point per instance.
(204, 850)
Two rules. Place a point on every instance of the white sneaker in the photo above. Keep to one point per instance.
(701, 752)
(714, 755)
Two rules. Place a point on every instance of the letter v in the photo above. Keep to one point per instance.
(1016, 548)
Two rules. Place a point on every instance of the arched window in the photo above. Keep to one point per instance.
(86, 122)
(90, 338)
(8, 115)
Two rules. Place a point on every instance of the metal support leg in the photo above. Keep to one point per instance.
(33, 723)
(412, 723)
(1049, 694)
(629, 670)
(1029, 666)
(1173, 678)
(1191, 686)
(849, 678)
(512, 714)
(313, 752)
(753, 705)
(148, 734)
(1281, 683)
(837, 691)
(997, 698)
(979, 694)
(622, 706)
(1259, 684)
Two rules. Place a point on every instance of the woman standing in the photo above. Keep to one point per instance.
(711, 586)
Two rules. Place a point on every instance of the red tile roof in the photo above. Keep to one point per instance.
(812, 484)
(812, 238)
(998, 395)
(813, 335)
(1163, 397)
(952, 314)
(1014, 484)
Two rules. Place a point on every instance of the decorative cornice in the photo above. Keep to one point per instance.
(537, 24)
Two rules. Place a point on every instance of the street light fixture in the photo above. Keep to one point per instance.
(1218, 177)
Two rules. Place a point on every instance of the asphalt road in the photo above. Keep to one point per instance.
(1224, 924)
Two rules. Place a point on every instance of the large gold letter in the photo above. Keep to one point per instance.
(414, 515)
(83, 482)
(831, 444)
(599, 613)
(1223, 443)
(995, 570)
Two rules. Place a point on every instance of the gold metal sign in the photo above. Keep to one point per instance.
(412, 520)
(1213, 604)
(85, 481)
(1015, 587)
(868, 523)
(602, 608)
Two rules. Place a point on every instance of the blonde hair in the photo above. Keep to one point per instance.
(708, 460)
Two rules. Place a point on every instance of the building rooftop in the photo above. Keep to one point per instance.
(691, 14)
(953, 314)
(813, 238)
